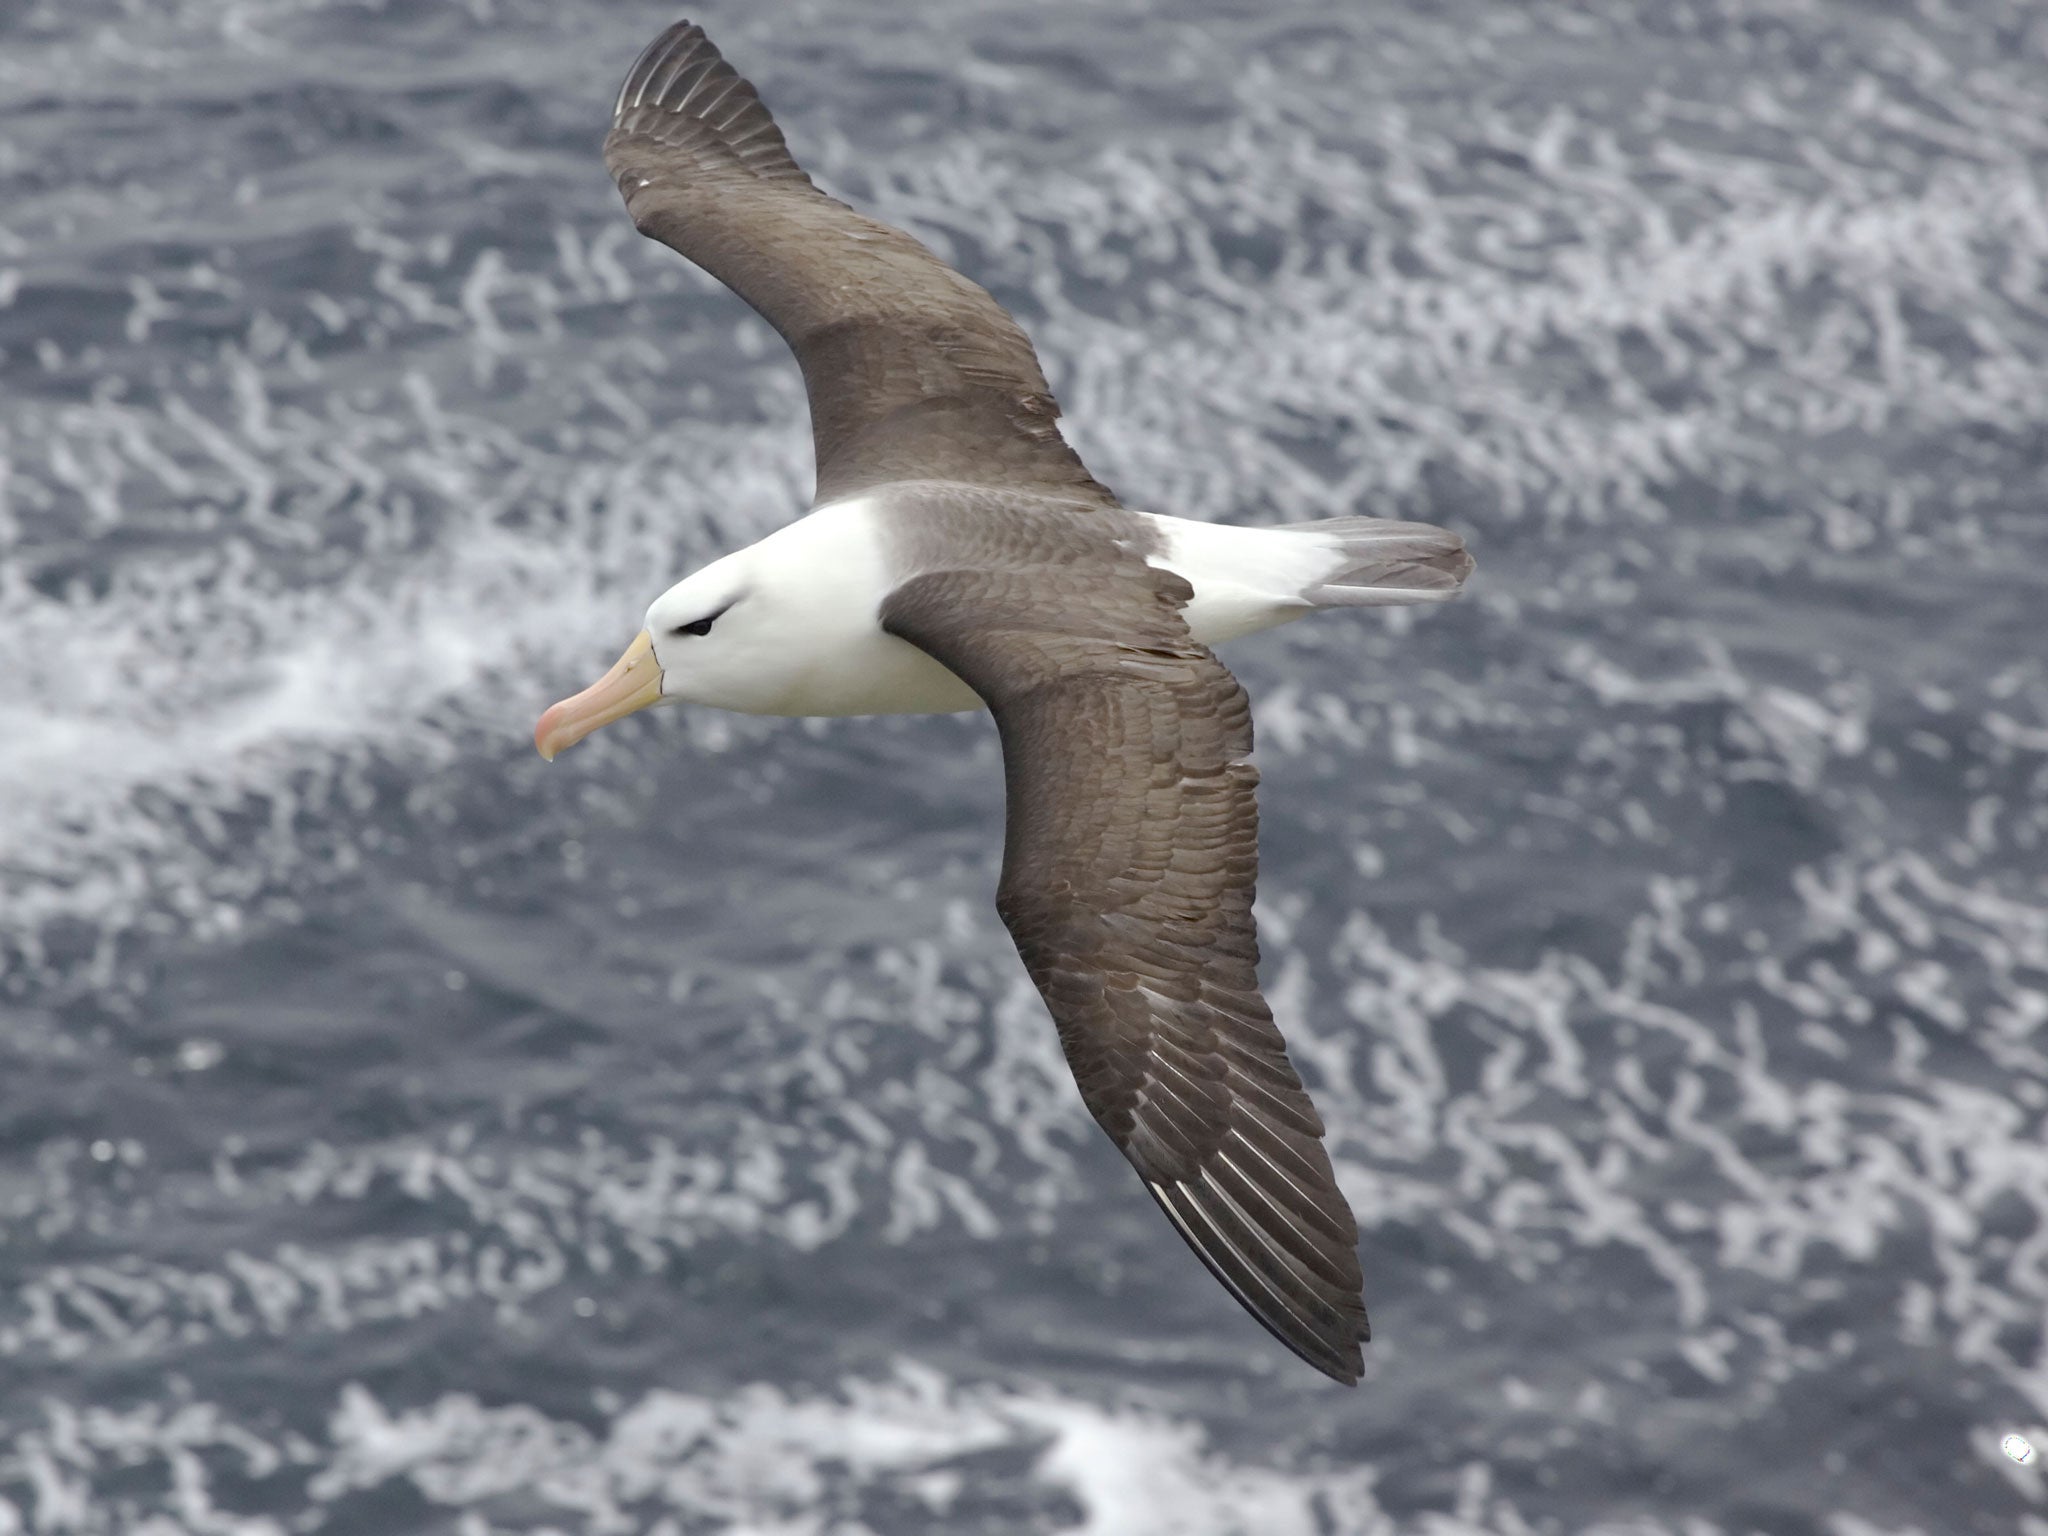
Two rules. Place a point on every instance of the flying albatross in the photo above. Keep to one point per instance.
(958, 555)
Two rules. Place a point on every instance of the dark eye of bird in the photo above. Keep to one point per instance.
(701, 627)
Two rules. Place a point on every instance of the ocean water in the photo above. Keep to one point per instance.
(400, 1134)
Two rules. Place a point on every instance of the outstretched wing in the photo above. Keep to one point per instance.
(1128, 868)
(913, 372)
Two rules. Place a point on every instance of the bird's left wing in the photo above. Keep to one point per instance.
(1128, 867)
(913, 372)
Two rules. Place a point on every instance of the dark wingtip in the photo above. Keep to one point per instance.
(1323, 1328)
(684, 103)
(657, 53)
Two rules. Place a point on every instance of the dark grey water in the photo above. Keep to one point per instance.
(400, 1134)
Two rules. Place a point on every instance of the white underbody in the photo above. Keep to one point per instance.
(803, 636)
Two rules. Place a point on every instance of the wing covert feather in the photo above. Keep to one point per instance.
(1128, 872)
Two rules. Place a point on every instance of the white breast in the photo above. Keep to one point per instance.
(815, 645)
(829, 577)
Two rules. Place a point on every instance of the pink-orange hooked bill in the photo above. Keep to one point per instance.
(634, 682)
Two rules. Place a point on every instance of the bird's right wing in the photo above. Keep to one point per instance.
(913, 372)
(1128, 867)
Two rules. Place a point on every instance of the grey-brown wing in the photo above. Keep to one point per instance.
(1128, 868)
(913, 372)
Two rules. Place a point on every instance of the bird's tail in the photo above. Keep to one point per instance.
(1375, 563)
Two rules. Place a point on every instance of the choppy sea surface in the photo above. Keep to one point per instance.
(400, 1134)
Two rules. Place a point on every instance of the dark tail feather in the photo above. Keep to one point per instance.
(1379, 563)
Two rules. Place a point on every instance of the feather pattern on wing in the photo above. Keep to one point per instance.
(1128, 873)
(913, 372)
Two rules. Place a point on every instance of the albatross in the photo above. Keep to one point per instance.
(958, 555)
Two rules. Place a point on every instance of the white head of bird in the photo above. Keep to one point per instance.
(788, 626)
(709, 639)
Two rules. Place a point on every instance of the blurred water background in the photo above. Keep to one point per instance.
(399, 1134)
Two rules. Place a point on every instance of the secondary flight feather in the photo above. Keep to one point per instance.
(958, 555)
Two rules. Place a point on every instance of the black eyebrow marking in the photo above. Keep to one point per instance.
(703, 626)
